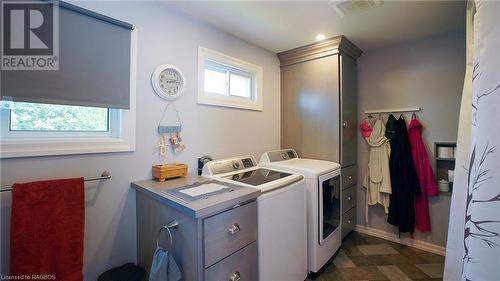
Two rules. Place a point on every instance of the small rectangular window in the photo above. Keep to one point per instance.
(227, 81)
(57, 118)
(23, 120)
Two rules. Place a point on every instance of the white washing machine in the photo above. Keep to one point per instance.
(281, 207)
(324, 199)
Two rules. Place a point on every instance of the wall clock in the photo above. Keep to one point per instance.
(168, 82)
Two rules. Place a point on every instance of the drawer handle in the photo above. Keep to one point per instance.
(235, 228)
(350, 178)
(349, 221)
(235, 276)
(349, 198)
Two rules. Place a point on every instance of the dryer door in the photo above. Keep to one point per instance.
(329, 205)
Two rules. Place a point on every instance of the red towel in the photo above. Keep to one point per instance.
(428, 184)
(46, 229)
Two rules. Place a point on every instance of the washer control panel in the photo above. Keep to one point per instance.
(247, 163)
(281, 155)
(230, 165)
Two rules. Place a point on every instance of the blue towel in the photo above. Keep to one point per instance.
(163, 267)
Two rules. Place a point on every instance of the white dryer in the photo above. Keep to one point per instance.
(281, 218)
(324, 199)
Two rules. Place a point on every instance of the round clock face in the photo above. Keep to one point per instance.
(168, 82)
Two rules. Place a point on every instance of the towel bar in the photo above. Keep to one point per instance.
(106, 175)
(172, 225)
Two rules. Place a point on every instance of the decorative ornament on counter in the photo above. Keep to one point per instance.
(169, 171)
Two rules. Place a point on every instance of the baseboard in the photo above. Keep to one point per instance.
(419, 244)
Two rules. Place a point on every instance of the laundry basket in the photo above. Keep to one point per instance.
(126, 272)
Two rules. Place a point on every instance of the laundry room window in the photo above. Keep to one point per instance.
(37, 129)
(228, 81)
(80, 108)
(37, 117)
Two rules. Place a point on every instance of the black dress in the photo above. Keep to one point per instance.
(404, 179)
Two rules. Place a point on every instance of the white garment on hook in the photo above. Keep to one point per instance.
(377, 180)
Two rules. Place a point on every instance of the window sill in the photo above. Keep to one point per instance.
(15, 148)
(234, 103)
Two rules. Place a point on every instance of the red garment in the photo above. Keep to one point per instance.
(426, 178)
(366, 129)
(46, 229)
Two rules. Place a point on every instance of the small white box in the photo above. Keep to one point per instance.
(445, 152)
(444, 186)
(451, 175)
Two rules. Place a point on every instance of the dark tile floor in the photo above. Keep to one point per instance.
(364, 257)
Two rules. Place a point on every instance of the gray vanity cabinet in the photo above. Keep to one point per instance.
(215, 240)
(319, 109)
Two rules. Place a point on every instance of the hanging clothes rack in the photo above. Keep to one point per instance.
(106, 175)
(394, 110)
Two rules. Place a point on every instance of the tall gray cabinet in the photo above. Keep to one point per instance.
(319, 109)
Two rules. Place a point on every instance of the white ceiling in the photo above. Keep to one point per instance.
(283, 25)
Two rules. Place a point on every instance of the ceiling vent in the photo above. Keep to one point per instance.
(350, 7)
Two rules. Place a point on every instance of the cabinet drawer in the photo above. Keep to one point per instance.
(228, 232)
(242, 264)
(348, 221)
(349, 176)
(348, 198)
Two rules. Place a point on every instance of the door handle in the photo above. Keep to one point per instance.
(235, 228)
(235, 276)
(349, 198)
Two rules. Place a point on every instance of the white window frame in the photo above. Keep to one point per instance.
(119, 138)
(114, 127)
(236, 66)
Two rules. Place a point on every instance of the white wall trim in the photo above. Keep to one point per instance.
(419, 244)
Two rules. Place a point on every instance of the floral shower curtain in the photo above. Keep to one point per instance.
(473, 249)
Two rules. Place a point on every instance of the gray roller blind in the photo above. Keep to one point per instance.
(94, 65)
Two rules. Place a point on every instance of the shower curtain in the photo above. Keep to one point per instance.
(473, 247)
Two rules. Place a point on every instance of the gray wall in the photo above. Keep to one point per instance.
(164, 37)
(428, 73)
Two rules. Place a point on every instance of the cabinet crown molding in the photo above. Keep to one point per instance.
(331, 46)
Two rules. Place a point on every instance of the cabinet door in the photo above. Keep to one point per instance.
(349, 111)
(310, 113)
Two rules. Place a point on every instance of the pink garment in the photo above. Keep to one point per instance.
(426, 178)
(366, 129)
